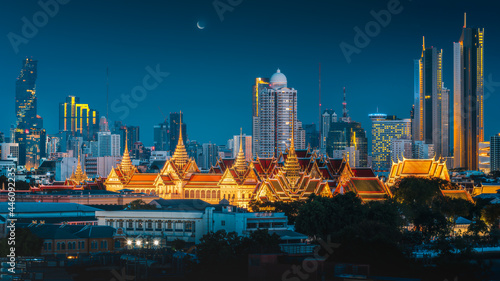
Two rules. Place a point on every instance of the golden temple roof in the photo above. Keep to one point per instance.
(292, 166)
(78, 176)
(180, 157)
(126, 163)
(240, 164)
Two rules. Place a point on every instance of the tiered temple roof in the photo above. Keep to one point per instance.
(418, 168)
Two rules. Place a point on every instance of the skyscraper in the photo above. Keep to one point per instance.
(431, 114)
(78, 119)
(327, 118)
(26, 99)
(160, 138)
(468, 122)
(29, 132)
(276, 103)
(385, 129)
(175, 120)
(260, 85)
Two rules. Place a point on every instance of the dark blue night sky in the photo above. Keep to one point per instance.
(211, 71)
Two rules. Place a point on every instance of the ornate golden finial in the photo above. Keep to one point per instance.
(240, 165)
(180, 157)
(126, 164)
(292, 166)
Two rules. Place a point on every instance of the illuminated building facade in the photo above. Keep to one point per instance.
(431, 102)
(343, 135)
(276, 104)
(29, 132)
(384, 130)
(78, 119)
(484, 157)
(495, 152)
(260, 85)
(468, 104)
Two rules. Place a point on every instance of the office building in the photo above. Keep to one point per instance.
(384, 129)
(160, 137)
(276, 104)
(312, 136)
(468, 115)
(9, 151)
(175, 120)
(78, 119)
(484, 157)
(495, 153)
(327, 118)
(210, 154)
(345, 133)
(108, 144)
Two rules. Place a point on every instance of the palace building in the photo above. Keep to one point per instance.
(293, 175)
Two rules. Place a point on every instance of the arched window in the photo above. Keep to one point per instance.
(203, 194)
(214, 194)
(218, 194)
(70, 246)
(191, 193)
(58, 246)
(63, 246)
(197, 194)
(186, 194)
(209, 194)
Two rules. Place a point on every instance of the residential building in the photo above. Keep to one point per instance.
(495, 152)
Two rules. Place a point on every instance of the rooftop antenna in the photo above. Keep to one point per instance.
(107, 93)
(465, 20)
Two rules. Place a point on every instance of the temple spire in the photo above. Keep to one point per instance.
(292, 166)
(126, 164)
(180, 157)
(240, 164)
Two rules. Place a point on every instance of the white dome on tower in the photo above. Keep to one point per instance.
(278, 80)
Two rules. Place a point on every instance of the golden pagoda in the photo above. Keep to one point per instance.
(180, 157)
(292, 166)
(78, 177)
(240, 165)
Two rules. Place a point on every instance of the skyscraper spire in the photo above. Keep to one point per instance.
(240, 163)
(465, 20)
(292, 166)
(180, 156)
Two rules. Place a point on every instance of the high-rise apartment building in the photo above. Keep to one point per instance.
(468, 115)
(260, 85)
(272, 123)
(385, 129)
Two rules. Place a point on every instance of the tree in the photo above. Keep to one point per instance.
(27, 244)
(417, 191)
(178, 244)
(139, 204)
(323, 216)
(291, 209)
(491, 215)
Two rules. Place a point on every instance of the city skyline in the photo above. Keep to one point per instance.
(176, 92)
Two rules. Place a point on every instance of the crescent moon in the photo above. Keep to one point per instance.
(199, 25)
